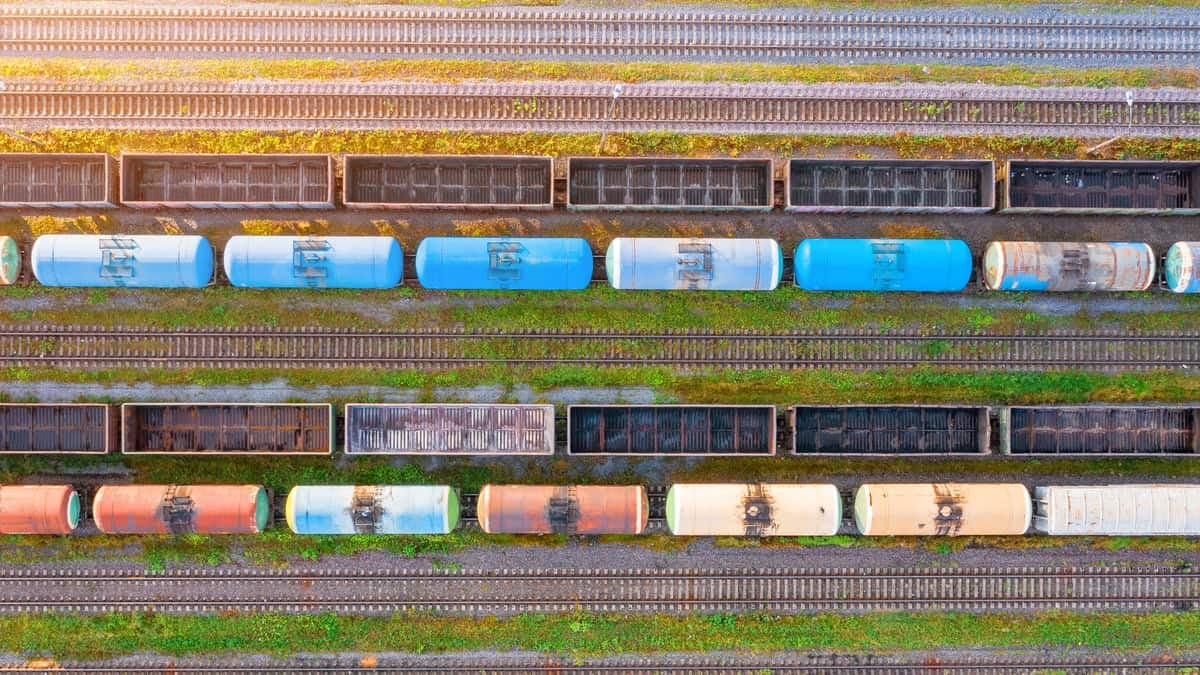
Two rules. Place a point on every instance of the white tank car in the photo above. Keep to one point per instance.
(947, 509)
(638, 263)
(753, 509)
(1068, 266)
(1117, 509)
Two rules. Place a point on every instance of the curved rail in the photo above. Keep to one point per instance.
(594, 34)
(559, 590)
(590, 107)
(96, 347)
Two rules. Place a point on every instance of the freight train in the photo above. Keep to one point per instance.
(597, 183)
(565, 264)
(598, 430)
(720, 509)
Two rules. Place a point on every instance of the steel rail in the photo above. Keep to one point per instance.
(590, 107)
(999, 664)
(103, 347)
(580, 34)
(558, 590)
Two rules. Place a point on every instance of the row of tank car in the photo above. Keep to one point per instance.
(564, 263)
(720, 509)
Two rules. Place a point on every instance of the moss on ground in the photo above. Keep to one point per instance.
(581, 633)
(780, 387)
(783, 310)
(452, 70)
(566, 145)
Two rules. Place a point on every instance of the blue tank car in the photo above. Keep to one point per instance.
(501, 263)
(1181, 272)
(923, 265)
(694, 264)
(313, 262)
(374, 509)
(134, 260)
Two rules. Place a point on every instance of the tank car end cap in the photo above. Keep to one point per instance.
(862, 509)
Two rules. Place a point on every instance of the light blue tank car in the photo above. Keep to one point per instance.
(133, 260)
(313, 262)
(694, 264)
(501, 263)
(1182, 272)
(372, 509)
(925, 265)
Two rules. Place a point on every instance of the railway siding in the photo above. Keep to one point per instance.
(582, 107)
(597, 34)
(507, 592)
(94, 347)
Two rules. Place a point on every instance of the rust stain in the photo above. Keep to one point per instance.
(562, 511)
(949, 518)
(757, 511)
(365, 510)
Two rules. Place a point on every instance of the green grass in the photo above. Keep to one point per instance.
(781, 387)
(455, 70)
(277, 547)
(566, 145)
(581, 634)
(785, 309)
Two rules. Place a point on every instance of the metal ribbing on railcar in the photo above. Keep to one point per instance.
(217, 181)
(435, 181)
(1048, 186)
(449, 429)
(670, 184)
(69, 180)
(56, 428)
(890, 186)
(670, 430)
(216, 428)
(889, 429)
(1107, 430)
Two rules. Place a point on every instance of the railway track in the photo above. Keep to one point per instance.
(506, 592)
(581, 34)
(580, 107)
(668, 664)
(96, 347)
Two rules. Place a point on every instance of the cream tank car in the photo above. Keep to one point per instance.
(946, 509)
(753, 509)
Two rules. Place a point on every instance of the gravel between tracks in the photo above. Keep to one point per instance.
(474, 662)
